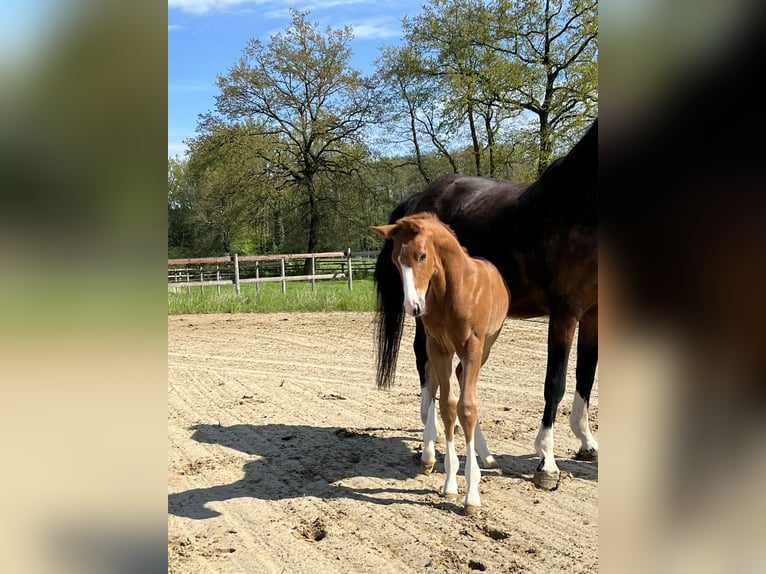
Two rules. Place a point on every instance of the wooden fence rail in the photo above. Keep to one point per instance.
(231, 272)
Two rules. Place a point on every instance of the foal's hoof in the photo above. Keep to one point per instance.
(472, 510)
(588, 455)
(451, 496)
(546, 480)
(490, 462)
(426, 467)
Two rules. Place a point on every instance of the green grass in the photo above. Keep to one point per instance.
(330, 295)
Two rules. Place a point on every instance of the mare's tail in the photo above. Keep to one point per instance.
(389, 319)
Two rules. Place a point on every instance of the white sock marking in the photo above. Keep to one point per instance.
(451, 466)
(544, 448)
(482, 449)
(472, 475)
(429, 434)
(578, 422)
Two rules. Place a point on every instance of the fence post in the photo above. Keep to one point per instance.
(350, 279)
(201, 278)
(218, 278)
(257, 276)
(236, 273)
(313, 273)
(284, 282)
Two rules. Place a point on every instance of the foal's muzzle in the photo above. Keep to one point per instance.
(414, 308)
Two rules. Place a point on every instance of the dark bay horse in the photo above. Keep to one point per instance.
(462, 302)
(543, 238)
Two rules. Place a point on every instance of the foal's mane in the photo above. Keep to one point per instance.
(417, 221)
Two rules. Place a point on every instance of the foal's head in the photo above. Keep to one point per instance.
(414, 256)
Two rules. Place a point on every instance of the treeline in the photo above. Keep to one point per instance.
(303, 153)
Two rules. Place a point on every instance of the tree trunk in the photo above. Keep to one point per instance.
(313, 241)
(475, 140)
(490, 143)
(544, 157)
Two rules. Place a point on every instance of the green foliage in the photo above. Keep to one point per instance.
(330, 295)
(303, 153)
(483, 77)
(313, 107)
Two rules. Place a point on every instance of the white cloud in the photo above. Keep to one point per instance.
(187, 87)
(177, 150)
(174, 27)
(376, 28)
(199, 7)
(205, 6)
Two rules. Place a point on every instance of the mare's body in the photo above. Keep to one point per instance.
(543, 238)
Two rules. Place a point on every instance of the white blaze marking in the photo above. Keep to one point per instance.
(411, 297)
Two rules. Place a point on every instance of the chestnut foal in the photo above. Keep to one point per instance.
(463, 302)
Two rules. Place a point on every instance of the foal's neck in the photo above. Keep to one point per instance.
(453, 263)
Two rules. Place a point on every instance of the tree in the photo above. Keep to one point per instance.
(451, 36)
(409, 95)
(302, 94)
(181, 232)
(555, 44)
(478, 75)
(233, 197)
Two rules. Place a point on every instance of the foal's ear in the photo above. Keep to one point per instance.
(386, 231)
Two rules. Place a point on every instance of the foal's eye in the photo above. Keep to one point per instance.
(422, 257)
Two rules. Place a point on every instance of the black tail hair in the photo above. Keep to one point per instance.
(389, 318)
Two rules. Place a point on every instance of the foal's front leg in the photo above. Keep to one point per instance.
(440, 363)
(448, 407)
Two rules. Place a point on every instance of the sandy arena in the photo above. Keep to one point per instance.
(284, 457)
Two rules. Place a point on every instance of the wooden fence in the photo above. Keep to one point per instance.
(216, 271)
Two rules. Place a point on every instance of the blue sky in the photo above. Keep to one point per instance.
(206, 37)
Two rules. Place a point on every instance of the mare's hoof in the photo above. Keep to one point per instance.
(426, 467)
(588, 455)
(546, 480)
(472, 510)
(451, 496)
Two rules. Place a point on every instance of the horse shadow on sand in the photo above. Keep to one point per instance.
(299, 460)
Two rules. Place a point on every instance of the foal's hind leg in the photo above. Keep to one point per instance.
(587, 358)
(430, 431)
(481, 443)
(561, 329)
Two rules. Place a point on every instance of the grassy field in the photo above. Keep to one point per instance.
(330, 295)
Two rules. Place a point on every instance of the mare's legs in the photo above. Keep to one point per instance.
(467, 412)
(587, 357)
(421, 356)
(560, 334)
